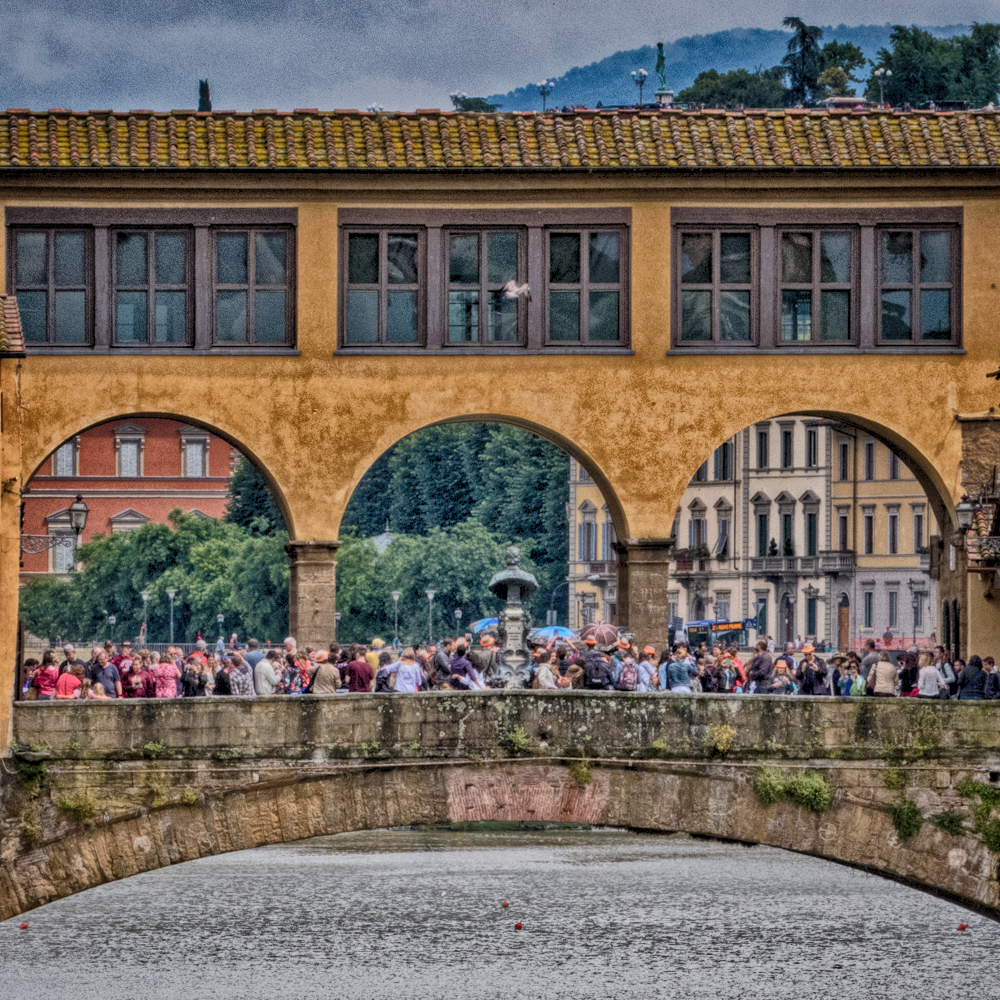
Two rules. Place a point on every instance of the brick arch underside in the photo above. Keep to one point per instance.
(715, 802)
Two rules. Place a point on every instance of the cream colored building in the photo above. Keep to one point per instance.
(812, 527)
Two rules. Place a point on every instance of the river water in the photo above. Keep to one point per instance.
(416, 915)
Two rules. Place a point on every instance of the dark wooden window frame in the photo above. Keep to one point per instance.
(253, 286)
(866, 224)
(535, 224)
(150, 288)
(100, 223)
(483, 286)
(51, 288)
(382, 286)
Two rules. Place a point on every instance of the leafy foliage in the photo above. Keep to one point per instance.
(581, 773)
(214, 566)
(949, 822)
(925, 68)
(802, 61)
(893, 780)
(764, 88)
(512, 483)
(462, 102)
(906, 818)
(806, 788)
(251, 503)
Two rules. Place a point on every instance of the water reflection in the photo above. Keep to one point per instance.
(416, 914)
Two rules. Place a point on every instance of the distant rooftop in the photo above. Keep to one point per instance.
(306, 139)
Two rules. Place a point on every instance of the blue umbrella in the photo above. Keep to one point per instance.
(553, 632)
(483, 623)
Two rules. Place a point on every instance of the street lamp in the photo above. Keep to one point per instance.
(639, 78)
(395, 629)
(551, 613)
(430, 617)
(882, 74)
(220, 618)
(145, 604)
(545, 88)
(336, 626)
(111, 621)
(78, 511)
(458, 622)
(964, 512)
(171, 593)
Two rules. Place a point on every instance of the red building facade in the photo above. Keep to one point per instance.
(129, 472)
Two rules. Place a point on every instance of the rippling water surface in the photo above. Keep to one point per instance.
(400, 914)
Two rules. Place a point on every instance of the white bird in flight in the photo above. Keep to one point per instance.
(512, 290)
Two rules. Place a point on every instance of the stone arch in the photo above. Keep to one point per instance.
(601, 479)
(928, 475)
(715, 802)
(34, 455)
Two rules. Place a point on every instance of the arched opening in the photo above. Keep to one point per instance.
(833, 522)
(178, 533)
(436, 511)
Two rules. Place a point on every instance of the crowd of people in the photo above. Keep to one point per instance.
(461, 665)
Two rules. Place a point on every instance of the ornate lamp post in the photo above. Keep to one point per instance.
(220, 618)
(964, 512)
(78, 510)
(545, 88)
(458, 622)
(882, 74)
(395, 629)
(336, 626)
(171, 593)
(145, 604)
(430, 616)
(639, 78)
(111, 622)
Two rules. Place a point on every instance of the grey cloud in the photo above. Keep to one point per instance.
(400, 54)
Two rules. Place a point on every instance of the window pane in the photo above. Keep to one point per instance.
(564, 259)
(269, 317)
(604, 260)
(71, 318)
(696, 258)
(464, 260)
(32, 308)
(195, 460)
(835, 315)
(169, 250)
(796, 258)
(402, 320)
(231, 316)
(734, 316)
(170, 317)
(564, 315)
(362, 317)
(463, 317)
(896, 316)
(402, 259)
(129, 458)
(603, 318)
(897, 257)
(935, 256)
(796, 315)
(362, 259)
(130, 316)
(935, 314)
(269, 250)
(696, 315)
(231, 258)
(132, 268)
(835, 257)
(501, 257)
(734, 262)
(64, 460)
(32, 266)
(69, 259)
(501, 318)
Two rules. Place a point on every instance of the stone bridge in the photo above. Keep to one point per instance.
(96, 792)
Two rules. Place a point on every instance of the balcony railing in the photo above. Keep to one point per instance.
(776, 565)
(602, 568)
(838, 562)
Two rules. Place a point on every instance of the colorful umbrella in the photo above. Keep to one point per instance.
(602, 632)
(553, 632)
(483, 623)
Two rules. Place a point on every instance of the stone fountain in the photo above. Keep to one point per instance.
(512, 585)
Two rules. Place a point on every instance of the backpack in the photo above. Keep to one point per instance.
(629, 677)
(384, 681)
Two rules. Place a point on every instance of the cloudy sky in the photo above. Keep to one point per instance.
(401, 54)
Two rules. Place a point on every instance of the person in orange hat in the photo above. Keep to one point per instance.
(811, 673)
(487, 658)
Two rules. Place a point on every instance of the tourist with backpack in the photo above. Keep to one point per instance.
(628, 678)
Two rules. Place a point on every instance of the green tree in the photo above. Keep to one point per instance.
(251, 502)
(802, 61)
(837, 62)
(925, 68)
(462, 102)
(739, 87)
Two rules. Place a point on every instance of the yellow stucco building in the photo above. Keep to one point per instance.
(816, 531)
(315, 286)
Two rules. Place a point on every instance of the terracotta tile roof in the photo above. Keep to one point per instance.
(305, 139)
(11, 337)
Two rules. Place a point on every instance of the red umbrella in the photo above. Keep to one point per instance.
(603, 633)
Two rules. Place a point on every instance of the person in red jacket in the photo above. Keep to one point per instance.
(46, 676)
